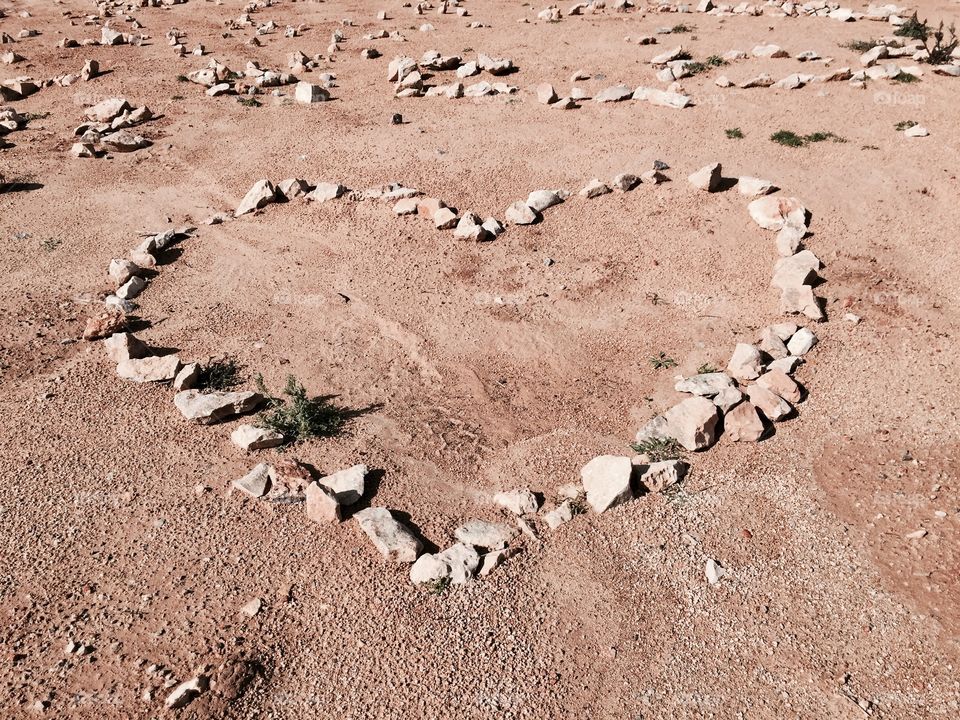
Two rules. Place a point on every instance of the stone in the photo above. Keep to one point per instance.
(796, 270)
(406, 206)
(252, 608)
(754, 187)
(494, 66)
(594, 188)
(125, 346)
(770, 51)
(121, 270)
(669, 55)
(705, 384)
(347, 485)
(131, 288)
(519, 502)
(769, 403)
(540, 200)
(561, 514)
(802, 342)
(104, 324)
(124, 141)
(250, 437)
(106, 110)
(772, 212)
(916, 131)
(613, 94)
(288, 481)
(427, 207)
(256, 482)
(779, 382)
(83, 150)
(521, 214)
(606, 480)
(492, 560)
(658, 476)
(492, 226)
(149, 369)
(771, 344)
(653, 177)
(693, 423)
(187, 378)
(870, 57)
(481, 533)
(325, 192)
(546, 94)
(663, 98)
(444, 219)
(707, 178)
(760, 81)
(743, 423)
(321, 504)
(393, 539)
(261, 194)
(186, 692)
(787, 364)
(655, 429)
(624, 182)
(789, 239)
(429, 569)
(292, 188)
(308, 93)
(213, 407)
(745, 363)
(801, 300)
(457, 564)
(713, 571)
(468, 69)
(727, 398)
(469, 227)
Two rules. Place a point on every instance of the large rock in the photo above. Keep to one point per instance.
(149, 369)
(705, 384)
(457, 565)
(743, 423)
(348, 485)
(782, 384)
(801, 300)
(707, 178)
(521, 214)
(770, 404)
(754, 187)
(124, 141)
(393, 539)
(326, 191)
(727, 398)
(614, 94)
(308, 93)
(321, 504)
(261, 194)
(658, 476)
(106, 110)
(104, 324)
(210, 408)
(745, 363)
(795, 271)
(481, 533)
(519, 502)
(125, 346)
(606, 480)
(693, 423)
(772, 212)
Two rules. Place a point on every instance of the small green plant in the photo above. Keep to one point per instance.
(661, 361)
(716, 61)
(791, 139)
(905, 77)
(680, 28)
(51, 244)
(861, 46)
(940, 52)
(438, 586)
(298, 416)
(734, 133)
(913, 28)
(249, 102)
(905, 125)
(695, 68)
(706, 369)
(182, 78)
(659, 449)
(219, 375)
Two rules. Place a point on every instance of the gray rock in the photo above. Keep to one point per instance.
(348, 485)
(727, 398)
(606, 480)
(149, 369)
(519, 502)
(521, 214)
(705, 384)
(481, 533)
(213, 407)
(394, 540)
(250, 437)
(561, 514)
(256, 482)
(802, 342)
(540, 200)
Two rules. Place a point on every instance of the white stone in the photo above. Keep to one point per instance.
(393, 539)
(149, 369)
(262, 193)
(606, 480)
(705, 384)
(519, 502)
(251, 437)
(348, 485)
(481, 533)
(521, 214)
(693, 423)
(802, 342)
(745, 363)
(754, 187)
(212, 407)
(707, 178)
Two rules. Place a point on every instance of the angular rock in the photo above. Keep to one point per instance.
(613, 94)
(347, 485)
(546, 94)
(802, 342)
(149, 369)
(186, 692)
(481, 533)
(705, 384)
(754, 187)
(106, 110)
(322, 506)
(104, 324)
(540, 200)
(606, 480)
(406, 206)
(125, 346)
(325, 192)
(124, 141)
(519, 502)
(693, 423)
(772, 212)
(292, 188)
(769, 403)
(658, 476)
(213, 407)
(789, 239)
(594, 188)
(561, 514)
(745, 363)
(308, 93)
(727, 398)
(256, 482)
(707, 178)
(131, 288)
(491, 560)
(250, 437)
(261, 194)
(801, 300)
(444, 219)
(393, 539)
(771, 344)
(779, 382)
(743, 423)
(521, 214)
(187, 378)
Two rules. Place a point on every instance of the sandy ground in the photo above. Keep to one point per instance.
(475, 368)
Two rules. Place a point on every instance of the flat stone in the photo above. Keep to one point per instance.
(121, 270)
(444, 219)
(481, 533)
(705, 384)
(789, 239)
(321, 504)
(288, 481)
(106, 110)
(693, 423)
(606, 480)
(124, 141)
(406, 206)
(546, 94)
(256, 482)
(769, 403)
(149, 369)
(796, 270)
(656, 429)
(771, 344)
(745, 363)
(743, 423)
(131, 288)
(540, 200)
(614, 94)
(213, 407)
(325, 191)
(801, 300)
(104, 323)
(393, 539)
(186, 692)
(754, 187)
(125, 346)
(782, 384)
(727, 398)
(519, 502)
(458, 564)
(707, 178)
(772, 212)
(292, 188)
(348, 485)
(250, 437)
(492, 560)
(786, 365)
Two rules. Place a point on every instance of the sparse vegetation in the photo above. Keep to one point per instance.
(219, 375)
(905, 77)
(734, 133)
(913, 28)
(249, 102)
(791, 139)
(51, 244)
(716, 61)
(706, 369)
(695, 68)
(939, 51)
(681, 28)
(905, 125)
(298, 416)
(860, 46)
(661, 361)
(438, 586)
(659, 449)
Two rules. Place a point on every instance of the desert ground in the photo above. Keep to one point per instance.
(733, 567)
